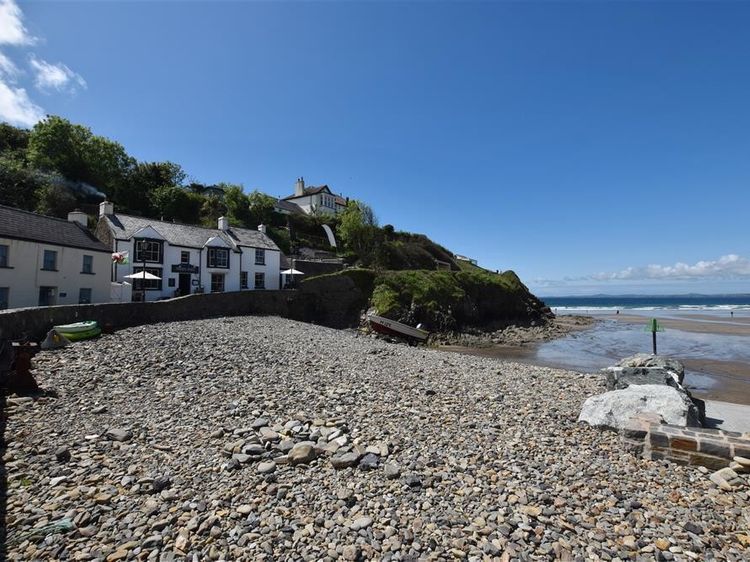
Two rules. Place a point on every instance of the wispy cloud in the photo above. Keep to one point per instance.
(730, 266)
(7, 67)
(12, 29)
(58, 76)
(16, 107)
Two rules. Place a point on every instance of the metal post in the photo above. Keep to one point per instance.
(654, 335)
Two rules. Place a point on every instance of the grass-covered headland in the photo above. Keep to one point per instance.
(446, 300)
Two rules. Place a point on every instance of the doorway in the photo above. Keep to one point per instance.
(184, 284)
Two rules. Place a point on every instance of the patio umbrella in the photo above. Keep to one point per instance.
(142, 275)
(292, 272)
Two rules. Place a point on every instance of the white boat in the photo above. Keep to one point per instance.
(393, 328)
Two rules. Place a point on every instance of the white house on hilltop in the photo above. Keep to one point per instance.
(312, 199)
(47, 261)
(189, 259)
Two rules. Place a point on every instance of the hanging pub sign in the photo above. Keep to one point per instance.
(184, 268)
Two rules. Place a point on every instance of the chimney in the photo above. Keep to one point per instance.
(299, 187)
(262, 228)
(106, 208)
(79, 217)
(223, 223)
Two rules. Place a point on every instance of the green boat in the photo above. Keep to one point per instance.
(87, 335)
(76, 327)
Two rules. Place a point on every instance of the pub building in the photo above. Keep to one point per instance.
(185, 259)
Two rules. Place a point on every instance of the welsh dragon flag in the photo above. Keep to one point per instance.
(120, 258)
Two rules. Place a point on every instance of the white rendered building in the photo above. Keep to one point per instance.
(188, 259)
(49, 261)
(312, 200)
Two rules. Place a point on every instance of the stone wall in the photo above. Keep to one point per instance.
(323, 305)
(712, 448)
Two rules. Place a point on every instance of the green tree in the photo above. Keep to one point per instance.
(237, 204)
(18, 184)
(143, 179)
(358, 231)
(261, 208)
(57, 145)
(177, 203)
(54, 198)
(213, 207)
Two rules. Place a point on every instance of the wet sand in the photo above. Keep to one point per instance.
(702, 323)
(713, 372)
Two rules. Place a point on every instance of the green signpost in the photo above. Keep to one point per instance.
(653, 326)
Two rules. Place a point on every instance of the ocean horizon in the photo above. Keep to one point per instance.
(691, 301)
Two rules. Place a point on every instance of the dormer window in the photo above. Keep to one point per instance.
(150, 251)
(218, 257)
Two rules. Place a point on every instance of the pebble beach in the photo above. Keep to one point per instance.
(260, 438)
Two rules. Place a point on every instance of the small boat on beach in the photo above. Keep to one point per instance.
(392, 328)
(76, 327)
(79, 330)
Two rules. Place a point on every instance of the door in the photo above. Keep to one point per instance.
(47, 296)
(184, 284)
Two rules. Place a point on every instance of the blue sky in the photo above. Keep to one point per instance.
(590, 146)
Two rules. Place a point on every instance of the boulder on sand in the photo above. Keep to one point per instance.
(646, 360)
(614, 409)
(622, 377)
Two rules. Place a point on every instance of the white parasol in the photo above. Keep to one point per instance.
(143, 275)
(292, 272)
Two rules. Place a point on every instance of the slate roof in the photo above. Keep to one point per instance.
(288, 206)
(24, 225)
(309, 191)
(191, 236)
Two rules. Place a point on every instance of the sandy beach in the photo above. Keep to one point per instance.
(714, 349)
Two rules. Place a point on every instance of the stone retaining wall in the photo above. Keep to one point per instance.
(712, 448)
(339, 309)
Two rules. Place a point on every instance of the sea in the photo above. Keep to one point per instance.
(608, 303)
(716, 354)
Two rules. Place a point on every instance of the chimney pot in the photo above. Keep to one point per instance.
(262, 228)
(299, 187)
(223, 223)
(106, 208)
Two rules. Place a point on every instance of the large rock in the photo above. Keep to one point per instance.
(640, 360)
(622, 377)
(615, 408)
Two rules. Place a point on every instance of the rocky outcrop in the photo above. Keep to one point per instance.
(646, 360)
(623, 377)
(614, 409)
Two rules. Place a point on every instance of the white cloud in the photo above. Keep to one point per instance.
(7, 67)
(730, 266)
(12, 30)
(55, 76)
(17, 108)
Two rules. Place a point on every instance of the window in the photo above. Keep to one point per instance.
(148, 251)
(147, 284)
(184, 257)
(171, 282)
(4, 255)
(50, 261)
(4, 297)
(84, 296)
(260, 280)
(218, 257)
(217, 282)
(88, 264)
(260, 257)
(47, 296)
(243, 279)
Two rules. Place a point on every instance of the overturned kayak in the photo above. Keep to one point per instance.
(76, 327)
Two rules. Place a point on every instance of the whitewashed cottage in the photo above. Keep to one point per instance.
(47, 261)
(188, 259)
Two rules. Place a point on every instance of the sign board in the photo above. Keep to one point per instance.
(185, 268)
